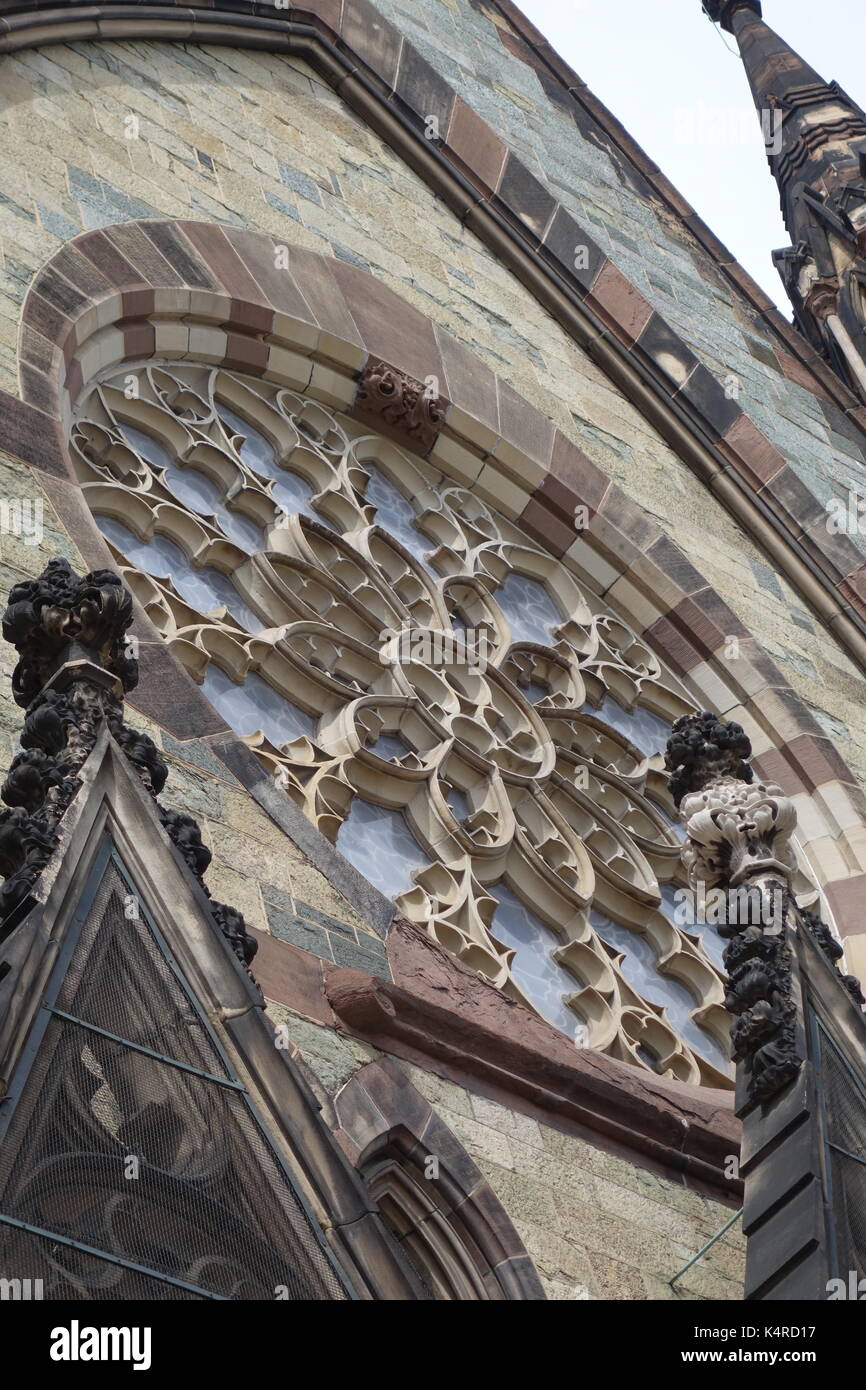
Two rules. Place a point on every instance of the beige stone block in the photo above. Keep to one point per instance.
(590, 567)
(92, 320)
(653, 1216)
(617, 1281)
(205, 306)
(713, 693)
(207, 343)
(493, 487)
(487, 1146)
(826, 860)
(518, 465)
(338, 350)
(171, 339)
(839, 807)
(289, 368)
(333, 387)
(855, 956)
(295, 334)
(560, 1176)
(524, 1199)
(456, 462)
(556, 1257)
(852, 843)
(100, 315)
(812, 824)
(225, 885)
(639, 611)
(437, 1090)
(472, 430)
(103, 349)
(509, 1122)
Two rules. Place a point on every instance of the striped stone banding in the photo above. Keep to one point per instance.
(385, 79)
(212, 293)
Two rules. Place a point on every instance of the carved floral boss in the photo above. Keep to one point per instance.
(419, 657)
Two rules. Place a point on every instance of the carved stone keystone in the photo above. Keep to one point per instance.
(412, 410)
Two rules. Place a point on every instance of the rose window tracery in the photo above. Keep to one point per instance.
(476, 732)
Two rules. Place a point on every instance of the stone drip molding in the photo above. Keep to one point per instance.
(739, 838)
(386, 81)
(75, 665)
(186, 290)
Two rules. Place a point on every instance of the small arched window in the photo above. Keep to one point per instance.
(409, 1208)
(451, 1227)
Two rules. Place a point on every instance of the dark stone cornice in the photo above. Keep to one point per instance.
(448, 1018)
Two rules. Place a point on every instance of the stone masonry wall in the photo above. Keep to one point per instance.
(92, 134)
(256, 140)
(596, 1225)
(475, 48)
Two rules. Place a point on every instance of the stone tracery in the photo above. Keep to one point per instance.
(416, 672)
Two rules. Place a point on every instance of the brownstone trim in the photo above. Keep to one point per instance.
(382, 77)
(447, 1018)
(316, 326)
(380, 1113)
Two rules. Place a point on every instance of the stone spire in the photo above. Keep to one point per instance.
(816, 145)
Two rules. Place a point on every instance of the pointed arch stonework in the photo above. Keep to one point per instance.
(432, 1195)
(213, 294)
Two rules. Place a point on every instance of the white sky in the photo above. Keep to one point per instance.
(662, 68)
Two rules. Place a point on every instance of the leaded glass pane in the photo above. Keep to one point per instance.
(380, 845)
(542, 980)
(554, 799)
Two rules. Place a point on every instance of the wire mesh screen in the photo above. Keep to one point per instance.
(136, 1158)
(845, 1108)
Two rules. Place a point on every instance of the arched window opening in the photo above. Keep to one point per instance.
(470, 725)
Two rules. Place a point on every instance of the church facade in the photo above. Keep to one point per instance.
(434, 829)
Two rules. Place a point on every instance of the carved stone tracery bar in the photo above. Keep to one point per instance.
(474, 729)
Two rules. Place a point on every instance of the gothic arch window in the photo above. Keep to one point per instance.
(446, 1218)
(476, 732)
(410, 1211)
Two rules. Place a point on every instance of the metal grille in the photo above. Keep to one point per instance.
(150, 1161)
(845, 1137)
